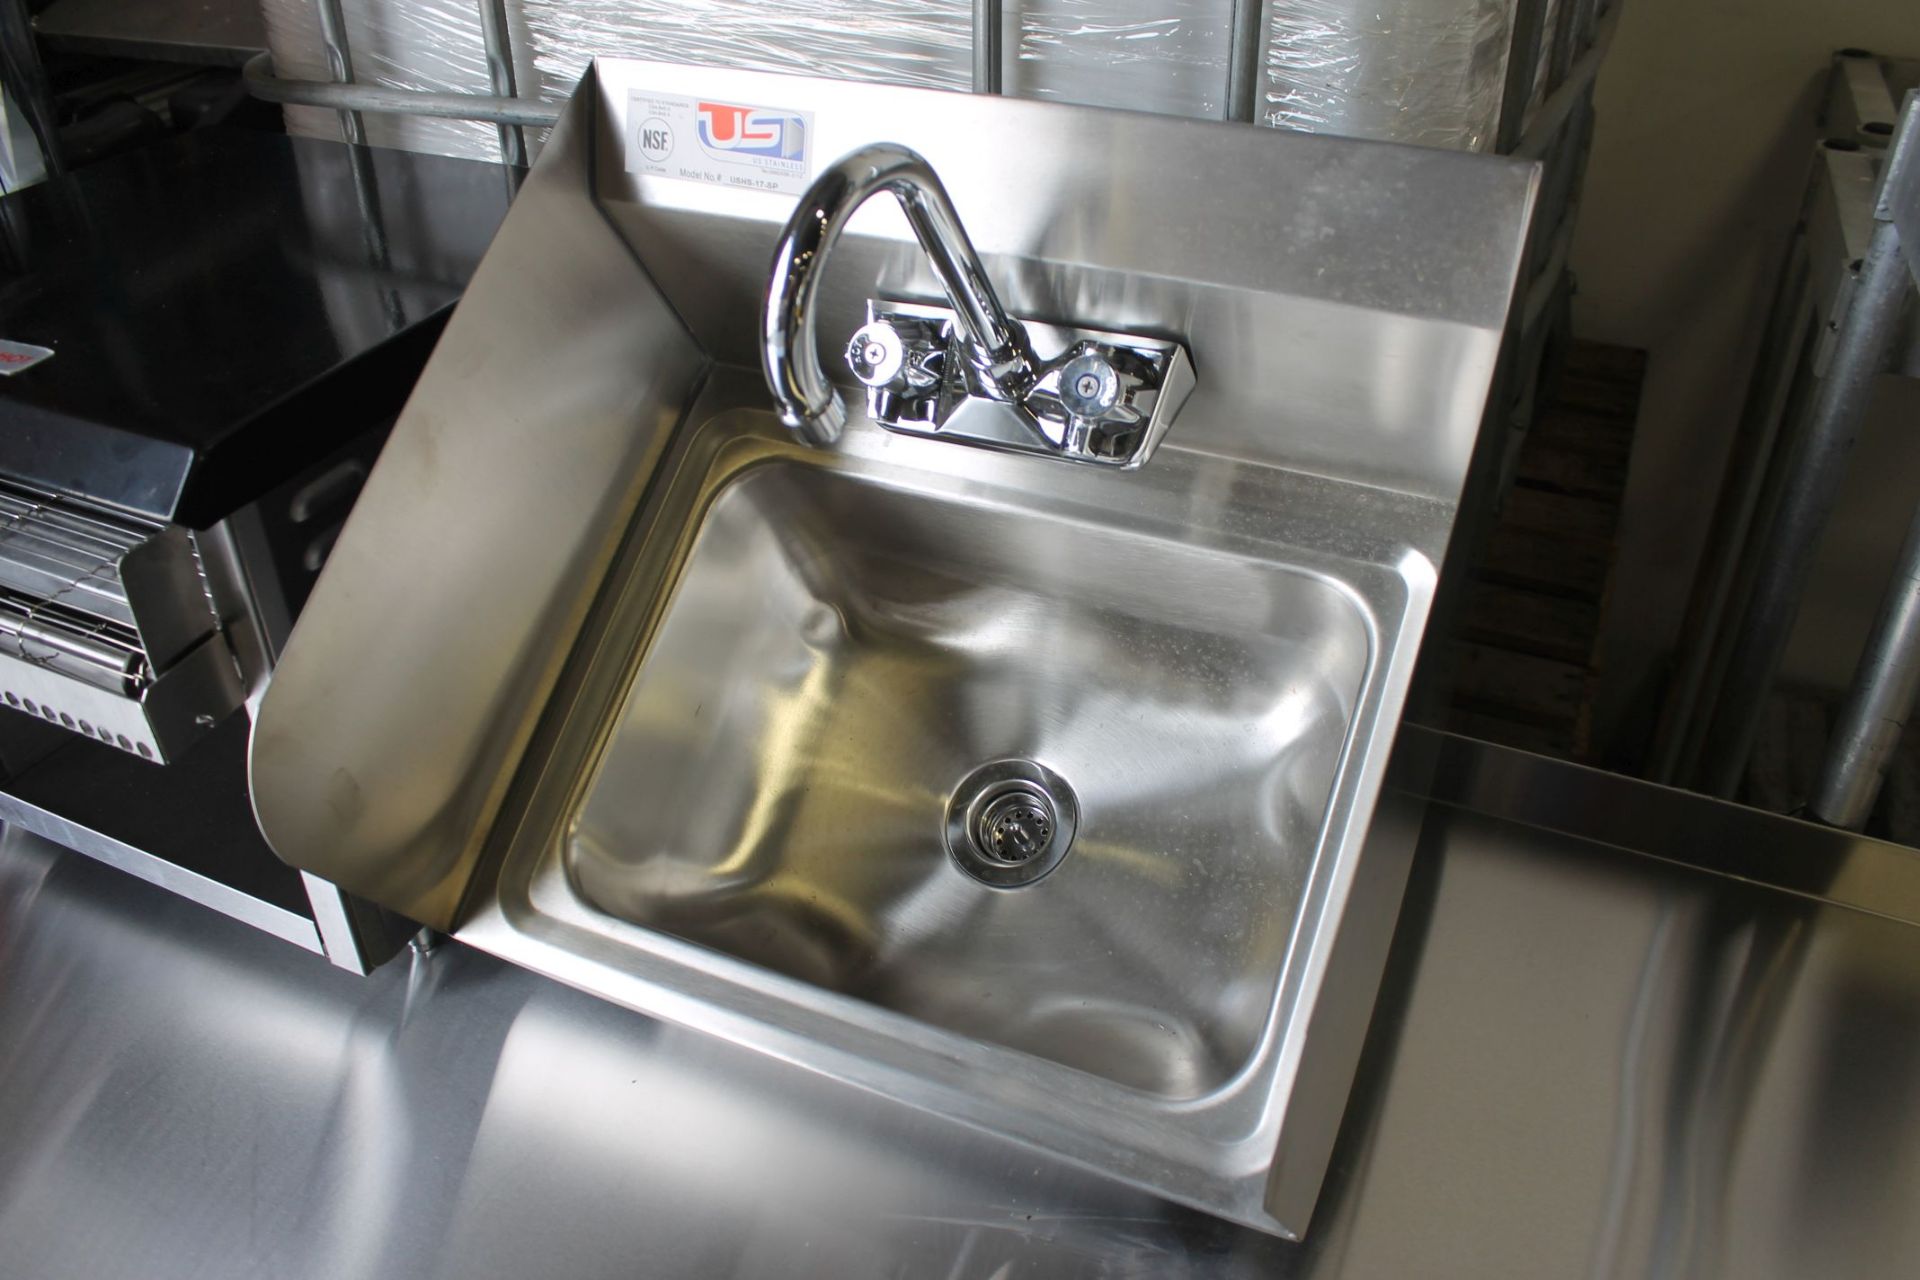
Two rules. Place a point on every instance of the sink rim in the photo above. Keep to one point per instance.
(1216, 1151)
(1316, 636)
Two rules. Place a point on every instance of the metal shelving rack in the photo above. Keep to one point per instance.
(1834, 326)
(1556, 50)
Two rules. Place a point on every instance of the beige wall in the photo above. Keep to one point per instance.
(1704, 133)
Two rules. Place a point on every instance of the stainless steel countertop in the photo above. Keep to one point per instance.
(1585, 1063)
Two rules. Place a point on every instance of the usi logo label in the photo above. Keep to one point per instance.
(732, 130)
(731, 144)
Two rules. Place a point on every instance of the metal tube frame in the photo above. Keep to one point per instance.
(1523, 59)
(1793, 355)
(1566, 94)
(1724, 577)
(988, 31)
(1562, 39)
(503, 108)
(1579, 40)
(1888, 676)
(499, 45)
(1243, 60)
(333, 32)
(1757, 642)
(26, 81)
(1879, 703)
(263, 84)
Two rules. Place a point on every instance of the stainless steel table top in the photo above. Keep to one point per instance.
(1585, 1063)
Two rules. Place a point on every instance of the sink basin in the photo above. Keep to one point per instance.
(1044, 798)
(801, 661)
(841, 649)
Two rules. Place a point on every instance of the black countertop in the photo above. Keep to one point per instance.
(225, 308)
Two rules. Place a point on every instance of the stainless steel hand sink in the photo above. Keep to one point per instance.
(843, 644)
(1043, 796)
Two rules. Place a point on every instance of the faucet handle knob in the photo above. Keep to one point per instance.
(896, 355)
(900, 359)
(1086, 398)
(876, 354)
(1089, 386)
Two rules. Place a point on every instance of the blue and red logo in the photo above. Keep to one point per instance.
(728, 129)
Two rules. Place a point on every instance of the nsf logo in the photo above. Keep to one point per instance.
(727, 129)
(654, 138)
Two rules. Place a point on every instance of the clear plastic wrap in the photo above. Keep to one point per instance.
(926, 43)
(1429, 72)
(1421, 71)
(431, 45)
(436, 45)
(1168, 56)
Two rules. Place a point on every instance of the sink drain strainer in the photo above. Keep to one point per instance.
(1010, 822)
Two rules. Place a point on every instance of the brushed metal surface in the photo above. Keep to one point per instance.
(23, 817)
(427, 649)
(1585, 1063)
(1817, 862)
(840, 653)
(1899, 199)
(1258, 591)
(1267, 621)
(1343, 301)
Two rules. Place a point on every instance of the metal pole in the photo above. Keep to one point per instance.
(1543, 131)
(333, 31)
(1587, 19)
(373, 230)
(263, 84)
(988, 74)
(499, 45)
(1723, 575)
(1523, 57)
(26, 79)
(1243, 59)
(1562, 39)
(1884, 684)
(1814, 471)
(1879, 703)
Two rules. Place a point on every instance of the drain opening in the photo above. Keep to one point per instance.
(1015, 827)
(1010, 822)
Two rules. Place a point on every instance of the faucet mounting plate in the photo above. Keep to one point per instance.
(1101, 397)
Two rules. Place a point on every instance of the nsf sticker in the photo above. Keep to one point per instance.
(730, 144)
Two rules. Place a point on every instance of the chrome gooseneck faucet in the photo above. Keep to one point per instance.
(995, 344)
(964, 372)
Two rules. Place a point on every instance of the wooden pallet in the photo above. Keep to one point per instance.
(1525, 658)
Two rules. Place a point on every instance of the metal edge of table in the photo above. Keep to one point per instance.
(1841, 868)
(1601, 809)
(1581, 1064)
(286, 925)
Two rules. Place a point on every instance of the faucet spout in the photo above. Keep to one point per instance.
(995, 344)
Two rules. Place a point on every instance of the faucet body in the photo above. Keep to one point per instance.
(965, 372)
(994, 343)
